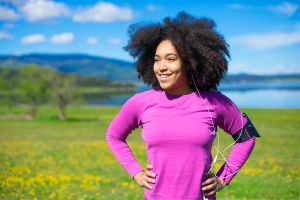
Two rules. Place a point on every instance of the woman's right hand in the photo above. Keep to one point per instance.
(144, 178)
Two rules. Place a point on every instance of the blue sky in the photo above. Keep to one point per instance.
(264, 36)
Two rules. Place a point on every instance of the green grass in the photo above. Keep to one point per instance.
(49, 159)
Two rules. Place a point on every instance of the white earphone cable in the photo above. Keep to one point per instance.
(218, 142)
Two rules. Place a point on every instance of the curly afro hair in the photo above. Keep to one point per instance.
(203, 51)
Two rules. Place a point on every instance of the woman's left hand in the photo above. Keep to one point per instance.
(212, 185)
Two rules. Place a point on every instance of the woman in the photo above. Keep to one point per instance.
(183, 59)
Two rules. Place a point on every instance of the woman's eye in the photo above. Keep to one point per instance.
(171, 59)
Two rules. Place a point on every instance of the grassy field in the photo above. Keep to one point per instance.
(49, 159)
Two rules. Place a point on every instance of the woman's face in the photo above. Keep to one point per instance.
(169, 69)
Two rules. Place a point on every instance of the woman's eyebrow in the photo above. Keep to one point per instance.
(168, 54)
(171, 54)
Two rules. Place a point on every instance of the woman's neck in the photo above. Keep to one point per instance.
(179, 91)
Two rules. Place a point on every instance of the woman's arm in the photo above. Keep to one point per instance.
(239, 154)
(233, 122)
(122, 125)
(236, 159)
(123, 153)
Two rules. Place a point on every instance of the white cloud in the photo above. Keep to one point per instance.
(103, 12)
(92, 41)
(285, 8)
(238, 6)
(62, 38)
(7, 14)
(282, 70)
(8, 25)
(43, 10)
(115, 41)
(33, 39)
(267, 40)
(15, 2)
(153, 8)
(4, 35)
(236, 67)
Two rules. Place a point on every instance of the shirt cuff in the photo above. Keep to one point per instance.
(226, 174)
(134, 168)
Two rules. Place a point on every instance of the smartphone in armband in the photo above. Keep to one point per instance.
(247, 132)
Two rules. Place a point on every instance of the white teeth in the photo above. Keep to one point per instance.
(164, 75)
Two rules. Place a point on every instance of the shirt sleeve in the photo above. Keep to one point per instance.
(230, 119)
(122, 125)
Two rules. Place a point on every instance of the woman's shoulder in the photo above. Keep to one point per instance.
(217, 98)
(214, 95)
(151, 93)
(143, 97)
(140, 100)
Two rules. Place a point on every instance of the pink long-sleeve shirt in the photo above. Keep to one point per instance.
(178, 132)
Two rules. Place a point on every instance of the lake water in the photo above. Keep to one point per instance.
(245, 95)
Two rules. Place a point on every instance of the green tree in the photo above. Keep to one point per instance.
(34, 86)
(8, 86)
(63, 92)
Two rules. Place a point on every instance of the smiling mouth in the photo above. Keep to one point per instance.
(164, 76)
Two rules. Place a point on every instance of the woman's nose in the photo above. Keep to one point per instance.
(162, 65)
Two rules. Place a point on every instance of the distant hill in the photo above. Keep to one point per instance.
(261, 78)
(112, 69)
(84, 65)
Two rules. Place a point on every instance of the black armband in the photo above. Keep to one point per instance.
(246, 133)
